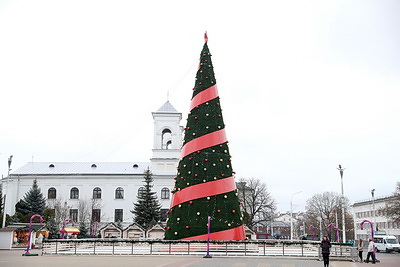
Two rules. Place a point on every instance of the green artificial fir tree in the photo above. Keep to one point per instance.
(204, 185)
(147, 209)
(83, 230)
(51, 225)
(33, 202)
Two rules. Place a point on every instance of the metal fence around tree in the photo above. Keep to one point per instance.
(271, 248)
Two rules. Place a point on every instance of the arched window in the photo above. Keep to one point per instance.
(119, 193)
(141, 191)
(166, 136)
(52, 193)
(165, 193)
(96, 193)
(74, 193)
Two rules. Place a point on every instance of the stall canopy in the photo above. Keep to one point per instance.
(70, 230)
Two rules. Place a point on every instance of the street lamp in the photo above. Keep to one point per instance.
(342, 200)
(373, 208)
(291, 215)
(272, 224)
(5, 195)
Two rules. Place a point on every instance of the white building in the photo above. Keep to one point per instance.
(373, 210)
(112, 186)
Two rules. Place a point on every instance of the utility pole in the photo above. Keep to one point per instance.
(291, 215)
(5, 195)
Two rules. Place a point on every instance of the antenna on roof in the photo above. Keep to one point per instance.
(32, 158)
(167, 95)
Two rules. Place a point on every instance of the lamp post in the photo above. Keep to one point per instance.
(342, 200)
(291, 215)
(5, 195)
(320, 227)
(373, 208)
(272, 224)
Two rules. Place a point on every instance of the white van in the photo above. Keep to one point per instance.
(387, 243)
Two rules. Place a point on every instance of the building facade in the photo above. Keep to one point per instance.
(373, 210)
(108, 189)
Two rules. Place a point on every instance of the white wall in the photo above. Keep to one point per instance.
(107, 183)
(6, 239)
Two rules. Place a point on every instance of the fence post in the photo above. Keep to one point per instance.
(302, 249)
(94, 247)
(75, 247)
(226, 248)
(188, 248)
(319, 253)
(245, 249)
(264, 247)
(56, 247)
(283, 249)
(170, 248)
(132, 249)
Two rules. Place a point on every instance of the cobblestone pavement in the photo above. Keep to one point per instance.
(14, 258)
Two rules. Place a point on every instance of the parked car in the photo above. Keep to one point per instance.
(387, 243)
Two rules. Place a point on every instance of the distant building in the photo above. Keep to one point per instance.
(373, 210)
(281, 225)
(110, 188)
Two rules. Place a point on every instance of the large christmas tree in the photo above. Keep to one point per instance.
(204, 185)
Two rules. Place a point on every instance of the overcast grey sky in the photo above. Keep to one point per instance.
(304, 85)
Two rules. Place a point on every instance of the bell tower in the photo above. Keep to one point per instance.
(167, 139)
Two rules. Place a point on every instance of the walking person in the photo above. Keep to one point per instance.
(325, 250)
(360, 250)
(371, 251)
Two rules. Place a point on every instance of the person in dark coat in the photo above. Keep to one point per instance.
(360, 248)
(325, 250)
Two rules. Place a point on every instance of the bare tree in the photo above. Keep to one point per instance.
(61, 210)
(85, 211)
(258, 204)
(324, 209)
(57, 211)
(393, 206)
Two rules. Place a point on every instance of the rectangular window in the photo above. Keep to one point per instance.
(73, 214)
(119, 215)
(96, 215)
